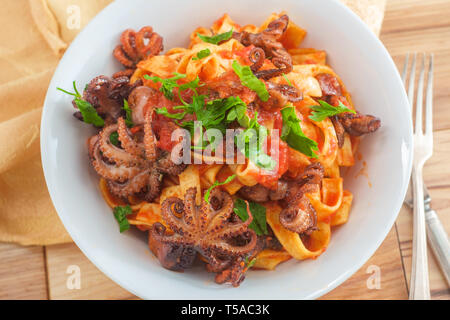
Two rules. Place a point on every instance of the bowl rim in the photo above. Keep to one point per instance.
(371, 247)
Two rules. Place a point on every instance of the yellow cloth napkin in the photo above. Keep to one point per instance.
(34, 35)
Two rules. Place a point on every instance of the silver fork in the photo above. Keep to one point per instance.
(437, 236)
(423, 149)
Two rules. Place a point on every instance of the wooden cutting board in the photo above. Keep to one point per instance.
(409, 26)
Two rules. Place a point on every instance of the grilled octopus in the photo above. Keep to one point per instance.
(355, 124)
(298, 214)
(135, 166)
(106, 95)
(267, 44)
(212, 230)
(136, 46)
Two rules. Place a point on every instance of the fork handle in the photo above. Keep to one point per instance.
(438, 240)
(419, 284)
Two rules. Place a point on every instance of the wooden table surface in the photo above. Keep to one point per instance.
(409, 26)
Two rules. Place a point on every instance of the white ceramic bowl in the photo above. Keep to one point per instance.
(355, 54)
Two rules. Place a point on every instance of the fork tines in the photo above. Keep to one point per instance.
(410, 84)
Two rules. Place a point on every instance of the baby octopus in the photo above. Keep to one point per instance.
(136, 165)
(298, 214)
(136, 46)
(268, 41)
(355, 124)
(211, 230)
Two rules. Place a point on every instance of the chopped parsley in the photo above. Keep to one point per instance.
(325, 110)
(287, 80)
(249, 142)
(216, 184)
(114, 138)
(218, 114)
(216, 39)
(193, 85)
(212, 114)
(128, 119)
(88, 112)
(202, 54)
(258, 211)
(167, 85)
(292, 133)
(120, 213)
(249, 264)
(249, 80)
(163, 111)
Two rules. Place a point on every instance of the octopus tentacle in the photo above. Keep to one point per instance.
(154, 184)
(257, 57)
(113, 153)
(121, 56)
(127, 142)
(149, 138)
(174, 239)
(154, 45)
(128, 41)
(282, 60)
(166, 165)
(339, 129)
(217, 263)
(268, 40)
(130, 187)
(233, 230)
(195, 226)
(299, 215)
(190, 209)
(132, 47)
(358, 124)
(277, 27)
(123, 73)
(111, 171)
(233, 250)
(300, 218)
(235, 274)
(170, 210)
(218, 216)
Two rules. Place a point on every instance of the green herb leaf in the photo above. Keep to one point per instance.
(217, 38)
(249, 80)
(76, 94)
(326, 110)
(216, 184)
(238, 112)
(250, 263)
(194, 84)
(114, 138)
(212, 114)
(163, 111)
(88, 112)
(167, 85)
(202, 54)
(255, 133)
(287, 80)
(128, 112)
(120, 213)
(259, 223)
(292, 133)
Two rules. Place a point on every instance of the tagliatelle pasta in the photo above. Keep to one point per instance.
(292, 242)
(228, 150)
